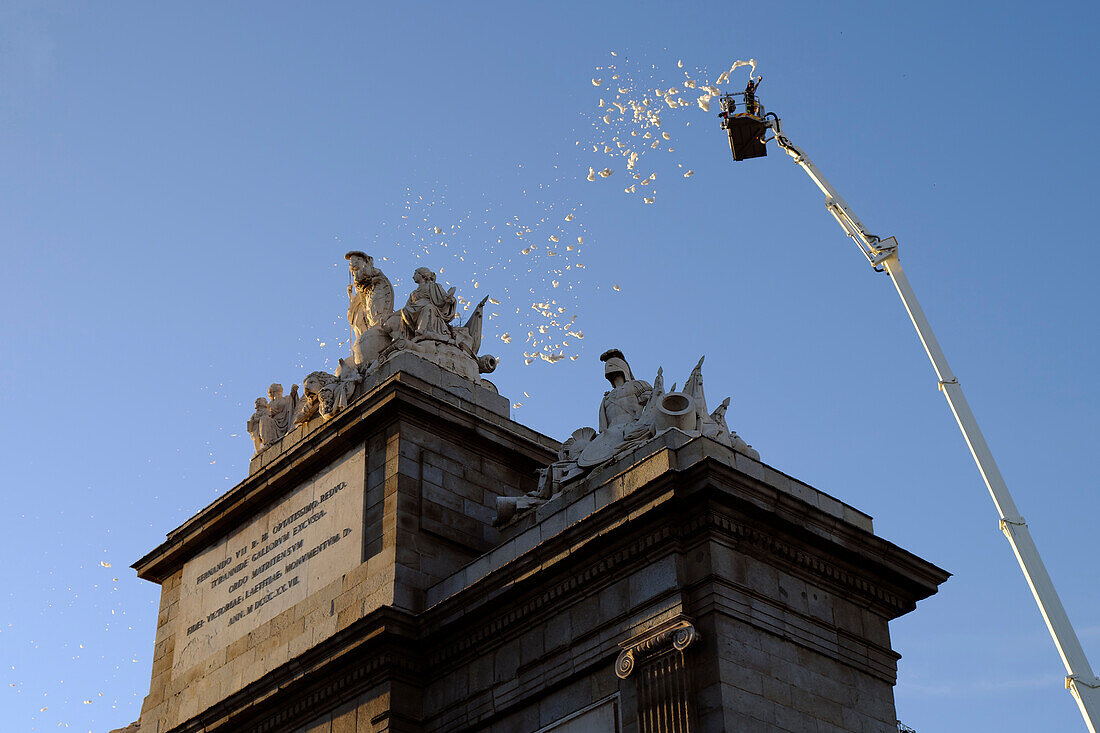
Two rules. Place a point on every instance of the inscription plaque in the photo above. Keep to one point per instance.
(311, 537)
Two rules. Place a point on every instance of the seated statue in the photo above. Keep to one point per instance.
(430, 309)
(620, 411)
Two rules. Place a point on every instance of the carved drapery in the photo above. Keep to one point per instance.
(662, 677)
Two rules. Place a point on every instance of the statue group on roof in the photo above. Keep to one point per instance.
(424, 326)
(631, 413)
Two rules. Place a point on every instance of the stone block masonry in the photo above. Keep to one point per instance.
(681, 587)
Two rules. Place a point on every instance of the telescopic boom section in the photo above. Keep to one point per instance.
(883, 256)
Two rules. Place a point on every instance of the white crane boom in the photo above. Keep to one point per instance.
(883, 256)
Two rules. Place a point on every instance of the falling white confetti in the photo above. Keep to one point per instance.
(635, 115)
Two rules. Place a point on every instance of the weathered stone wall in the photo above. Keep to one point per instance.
(778, 594)
(768, 682)
(431, 498)
(788, 589)
(428, 499)
(175, 697)
(790, 651)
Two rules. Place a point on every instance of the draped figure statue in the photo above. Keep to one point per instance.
(428, 313)
(282, 408)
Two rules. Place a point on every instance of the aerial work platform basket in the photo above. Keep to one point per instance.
(746, 129)
(746, 136)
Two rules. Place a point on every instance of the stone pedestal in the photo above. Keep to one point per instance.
(354, 582)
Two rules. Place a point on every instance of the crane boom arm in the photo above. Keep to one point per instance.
(883, 256)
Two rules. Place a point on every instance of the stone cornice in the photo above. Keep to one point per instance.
(681, 509)
(902, 579)
(757, 500)
(509, 616)
(386, 402)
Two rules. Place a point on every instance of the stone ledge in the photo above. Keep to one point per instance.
(603, 476)
(670, 453)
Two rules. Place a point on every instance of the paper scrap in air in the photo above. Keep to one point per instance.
(520, 259)
(633, 120)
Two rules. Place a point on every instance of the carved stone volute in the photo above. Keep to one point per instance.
(677, 635)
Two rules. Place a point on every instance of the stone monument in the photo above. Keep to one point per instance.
(403, 556)
(631, 414)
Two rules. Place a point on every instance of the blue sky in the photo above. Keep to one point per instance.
(178, 185)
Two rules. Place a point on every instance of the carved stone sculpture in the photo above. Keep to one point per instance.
(426, 330)
(620, 410)
(630, 414)
(327, 394)
(274, 416)
(673, 635)
(741, 446)
(423, 326)
(309, 406)
(261, 414)
(282, 408)
(428, 313)
(370, 308)
(662, 679)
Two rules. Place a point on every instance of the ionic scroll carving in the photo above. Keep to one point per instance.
(677, 635)
(665, 694)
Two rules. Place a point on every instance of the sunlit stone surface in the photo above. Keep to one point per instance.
(650, 574)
